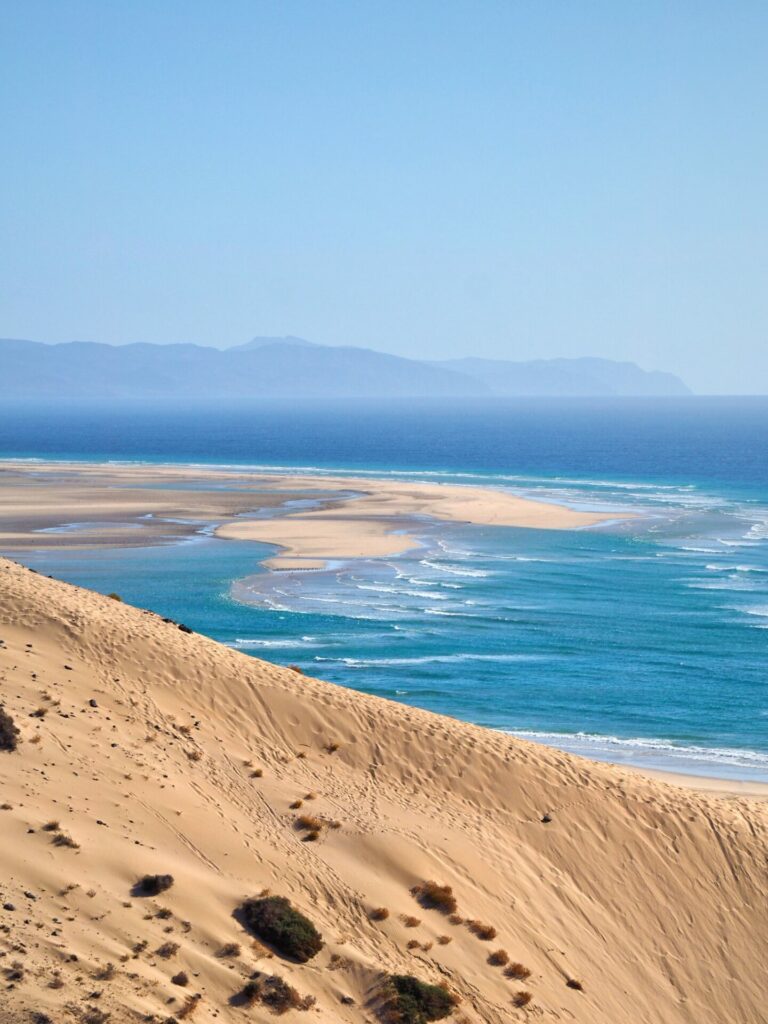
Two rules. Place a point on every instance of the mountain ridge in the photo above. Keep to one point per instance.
(292, 367)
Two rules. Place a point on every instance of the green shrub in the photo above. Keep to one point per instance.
(272, 919)
(415, 1002)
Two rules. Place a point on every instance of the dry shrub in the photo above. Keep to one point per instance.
(413, 944)
(456, 919)
(9, 734)
(310, 796)
(228, 949)
(499, 958)
(521, 999)
(181, 979)
(167, 950)
(297, 669)
(191, 1003)
(62, 839)
(379, 914)
(194, 755)
(275, 993)
(435, 897)
(296, 805)
(51, 826)
(486, 932)
(312, 837)
(518, 971)
(114, 596)
(443, 940)
(332, 747)
(106, 973)
(152, 885)
(410, 922)
(310, 822)
(573, 983)
(257, 773)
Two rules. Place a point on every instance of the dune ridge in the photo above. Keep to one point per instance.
(159, 751)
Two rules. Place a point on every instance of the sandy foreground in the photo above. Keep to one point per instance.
(160, 751)
(90, 505)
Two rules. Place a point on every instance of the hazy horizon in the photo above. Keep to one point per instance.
(510, 181)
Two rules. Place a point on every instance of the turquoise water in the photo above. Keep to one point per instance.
(641, 641)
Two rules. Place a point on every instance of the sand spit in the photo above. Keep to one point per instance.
(148, 750)
(91, 505)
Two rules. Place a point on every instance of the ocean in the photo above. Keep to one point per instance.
(642, 641)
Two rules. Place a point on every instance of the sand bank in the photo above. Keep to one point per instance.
(82, 505)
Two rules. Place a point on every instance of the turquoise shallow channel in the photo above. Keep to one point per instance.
(642, 642)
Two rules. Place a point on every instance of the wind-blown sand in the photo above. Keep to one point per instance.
(160, 751)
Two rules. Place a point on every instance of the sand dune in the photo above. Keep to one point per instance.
(159, 751)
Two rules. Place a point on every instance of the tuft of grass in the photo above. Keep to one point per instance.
(379, 914)
(435, 897)
(411, 1001)
(62, 839)
(486, 932)
(152, 885)
(114, 596)
(521, 999)
(573, 983)
(499, 958)
(332, 747)
(517, 971)
(273, 920)
(191, 1003)
(106, 973)
(51, 826)
(9, 733)
(228, 949)
(257, 773)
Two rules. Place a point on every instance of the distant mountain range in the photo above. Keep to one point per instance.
(294, 368)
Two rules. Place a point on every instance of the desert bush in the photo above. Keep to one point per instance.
(410, 1001)
(521, 999)
(228, 949)
(181, 979)
(486, 932)
(9, 734)
(443, 940)
(167, 950)
(499, 958)
(435, 897)
(152, 885)
(332, 747)
(296, 805)
(273, 920)
(51, 826)
(379, 914)
(413, 944)
(573, 983)
(518, 971)
(456, 919)
(106, 973)
(410, 922)
(310, 822)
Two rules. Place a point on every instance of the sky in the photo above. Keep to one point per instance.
(519, 179)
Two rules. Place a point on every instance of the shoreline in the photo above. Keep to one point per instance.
(312, 538)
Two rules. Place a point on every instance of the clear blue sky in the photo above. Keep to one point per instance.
(508, 179)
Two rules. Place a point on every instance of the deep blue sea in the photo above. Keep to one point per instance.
(641, 641)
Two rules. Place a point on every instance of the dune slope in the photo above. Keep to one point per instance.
(159, 751)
